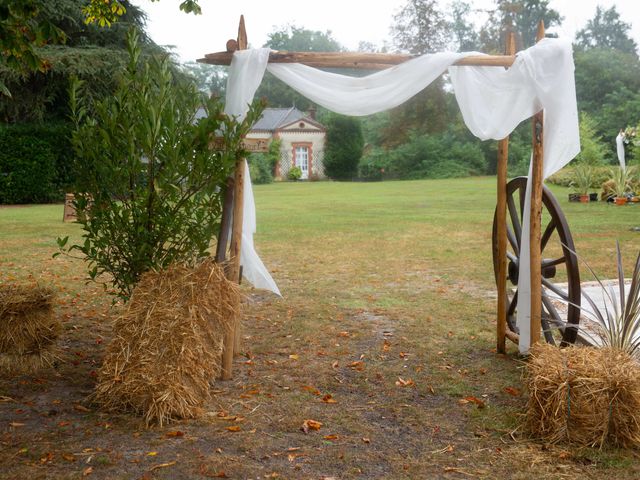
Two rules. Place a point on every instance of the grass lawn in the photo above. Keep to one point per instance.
(388, 307)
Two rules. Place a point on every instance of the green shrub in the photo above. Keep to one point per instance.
(564, 177)
(295, 173)
(345, 142)
(426, 156)
(261, 165)
(27, 169)
(149, 187)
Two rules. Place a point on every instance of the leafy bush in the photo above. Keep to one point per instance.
(592, 150)
(295, 173)
(149, 188)
(261, 165)
(343, 151)
(426, 156)
(36, 162)
(27, 169)
(564, 177)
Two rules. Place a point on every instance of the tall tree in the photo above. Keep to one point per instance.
(294, 39)
(419, 27)
(345, 142)
(607, 30)
(91, 53)
(465, 37)
(521, 16)
(298, 39)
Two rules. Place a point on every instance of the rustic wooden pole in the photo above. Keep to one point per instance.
(236, 237)
(536, 217)
(501, 220)
(364, 61)
(223, 237)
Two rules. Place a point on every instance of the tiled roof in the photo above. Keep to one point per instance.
(273, 118)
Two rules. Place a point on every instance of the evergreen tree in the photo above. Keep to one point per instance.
(345, 143)
(607, 30)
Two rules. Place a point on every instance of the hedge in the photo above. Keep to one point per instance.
(35, 162)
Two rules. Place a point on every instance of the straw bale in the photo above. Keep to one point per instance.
(168, 343)
(583, 395)
(28, 328)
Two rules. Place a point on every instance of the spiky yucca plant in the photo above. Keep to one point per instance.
(619, 323)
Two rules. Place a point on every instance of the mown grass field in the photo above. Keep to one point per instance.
(388, 307)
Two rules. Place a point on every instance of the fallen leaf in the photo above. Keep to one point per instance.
(152, 454)
(310, 425)
(294, 357)
(512, 391)
(472, 399)
(220, 474)
(359, 365)
(333, 436)
(405, 383)
(310, 389)
(334, 364)
(234, 428)
(366, 440)
(80, 408)
(177, 433)
(344, 334)
(386, 346)
(162, 465)
(87, 471)
(16, 424)
(328, 398)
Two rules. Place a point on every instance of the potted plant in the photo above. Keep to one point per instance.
(581, 183)
(621, 184)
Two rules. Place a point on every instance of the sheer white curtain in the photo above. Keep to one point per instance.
(493, 101)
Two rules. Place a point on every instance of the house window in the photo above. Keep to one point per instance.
(302, 160)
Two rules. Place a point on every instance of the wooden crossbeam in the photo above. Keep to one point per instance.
(362, 61)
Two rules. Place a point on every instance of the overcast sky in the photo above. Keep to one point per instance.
(350, 21)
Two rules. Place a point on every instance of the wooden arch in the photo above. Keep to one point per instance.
(380, 61)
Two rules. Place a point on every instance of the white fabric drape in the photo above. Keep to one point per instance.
(493, 102)
(620, 150)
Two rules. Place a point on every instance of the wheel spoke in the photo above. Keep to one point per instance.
(553, 313)
(561, 293)
(547, 234)
(513, 241)
(515, 219)
(512, 306)
(512, 257)
(551, 263)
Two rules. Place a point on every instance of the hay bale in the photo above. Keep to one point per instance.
(28, 328)
(582, 395)
(168, 343)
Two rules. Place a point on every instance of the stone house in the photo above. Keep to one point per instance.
(302, 140)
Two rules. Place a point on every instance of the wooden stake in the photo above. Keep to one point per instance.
(223, 238)
(236, 237)
(501, 221)
(536, 217)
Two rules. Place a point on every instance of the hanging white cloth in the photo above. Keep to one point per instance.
(493, 102)
(620, 150)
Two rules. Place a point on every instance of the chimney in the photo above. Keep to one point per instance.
(312, 112)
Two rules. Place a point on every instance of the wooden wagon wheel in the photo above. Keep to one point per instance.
(561, 261)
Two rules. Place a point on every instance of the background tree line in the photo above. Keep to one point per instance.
(425, 137)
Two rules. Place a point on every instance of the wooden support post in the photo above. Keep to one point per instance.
(536, 217)
(501, 223)
(236, 237)
(223, 237)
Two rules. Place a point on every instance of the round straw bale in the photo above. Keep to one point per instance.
(168, 342)
(583, 395)
(28, 328)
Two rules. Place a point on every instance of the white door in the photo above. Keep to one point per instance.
(302, 161)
